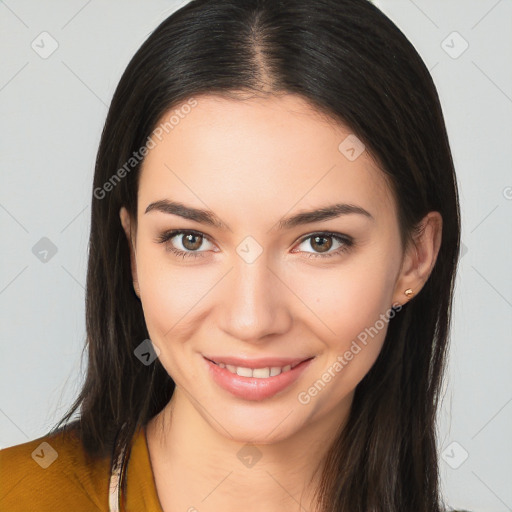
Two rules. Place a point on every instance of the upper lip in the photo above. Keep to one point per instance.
(260, 362)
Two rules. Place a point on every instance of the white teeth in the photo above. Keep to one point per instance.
(258, 373)
(261, 373)
(244, 372)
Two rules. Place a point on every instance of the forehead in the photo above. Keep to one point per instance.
(259, 157)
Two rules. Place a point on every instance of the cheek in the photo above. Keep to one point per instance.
(170, 296)
(352, 314)
(347, 299)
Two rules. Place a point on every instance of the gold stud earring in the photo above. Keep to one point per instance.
(408, 292)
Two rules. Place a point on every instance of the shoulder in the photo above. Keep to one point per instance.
(53, 473)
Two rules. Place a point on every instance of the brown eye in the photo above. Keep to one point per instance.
(321, 243)
(185, 243)
(191, 241)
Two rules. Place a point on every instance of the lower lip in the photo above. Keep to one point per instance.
(252, 388)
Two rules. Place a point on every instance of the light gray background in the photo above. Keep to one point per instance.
(52, 113)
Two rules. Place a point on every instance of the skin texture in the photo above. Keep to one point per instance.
(254, 162)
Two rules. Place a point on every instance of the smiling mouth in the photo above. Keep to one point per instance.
(263, 372)
(256, 379)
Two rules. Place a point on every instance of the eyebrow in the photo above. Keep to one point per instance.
(305, 217)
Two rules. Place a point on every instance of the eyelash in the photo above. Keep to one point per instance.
(347, 242)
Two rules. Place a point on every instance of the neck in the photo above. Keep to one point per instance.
(198, 468)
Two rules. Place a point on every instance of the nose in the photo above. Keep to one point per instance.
(254, 303)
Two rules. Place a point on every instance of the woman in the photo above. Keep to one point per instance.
(274, 240)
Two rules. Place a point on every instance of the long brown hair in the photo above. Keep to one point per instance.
(351, 62)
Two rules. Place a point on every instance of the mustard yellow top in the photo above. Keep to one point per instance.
(52, 474)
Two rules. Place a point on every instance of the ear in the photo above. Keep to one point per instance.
(126, 222)
(420, 257)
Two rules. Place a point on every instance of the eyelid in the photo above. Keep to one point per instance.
(332, 234)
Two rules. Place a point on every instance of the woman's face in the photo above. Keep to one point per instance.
(260, 282)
